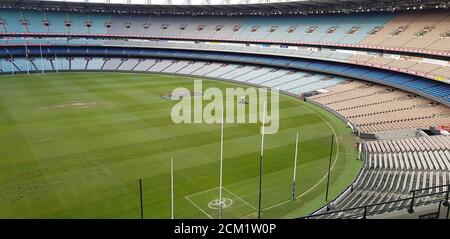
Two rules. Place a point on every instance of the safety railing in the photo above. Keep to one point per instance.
(418, 197)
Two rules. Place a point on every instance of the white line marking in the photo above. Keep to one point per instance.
(234, 195)
(248, 204)
(287, 201)
(198, 207)
(324, 177)
(247, 216)
(207, 190)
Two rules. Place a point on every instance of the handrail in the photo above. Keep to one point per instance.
(433, 187)
(410, 206)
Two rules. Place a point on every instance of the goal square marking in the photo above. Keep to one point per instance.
(233, 206)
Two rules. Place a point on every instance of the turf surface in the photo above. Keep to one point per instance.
(73, 145)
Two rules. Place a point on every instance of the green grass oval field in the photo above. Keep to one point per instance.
(73, 145)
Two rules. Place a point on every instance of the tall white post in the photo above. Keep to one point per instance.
(295, 168)
(261, 161)
(171, 187)
(221, 163)
(263, 127)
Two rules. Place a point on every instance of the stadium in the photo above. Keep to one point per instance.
(361, 91)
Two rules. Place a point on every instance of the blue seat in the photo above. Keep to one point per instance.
(358, 71)
(319, 65)
(265, 60)
(35, 21)
(249, 58)
(300, 63)
(337, 68)
(13, 20)
(57, 22)
(78, 21)
(420, 84)
(377, 74)
(98, 23)
(282, 62)
(399, 79)
(441, 90)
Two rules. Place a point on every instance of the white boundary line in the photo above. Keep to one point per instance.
(299, 196)
(323, 178)
(187, 198)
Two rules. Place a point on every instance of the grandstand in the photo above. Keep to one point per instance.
(393, 168)
(373, 108)
(382, 69)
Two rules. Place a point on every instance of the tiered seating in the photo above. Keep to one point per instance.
(295, 82)
(432, 88)
(78, 63)
(215, 69)
(321, 84)
(12, 22)
(238, 72)
(191, 67)
(380, 60)
(374, 108)
(42, 64)
(401, 64)
(360, 58)
(424, 67)
(409, 30)
(414, 28)
(430, 35)
(22, 65)
(417, 30)
(161, 65)
(291, 76)
(56, 22)
(442, 72)
(413, 65)
(305, 80)
(128, 64)
(62, 64)
(176, 66)
(439, 90)
(256, 74)
(145, 64)
(112, 64)
(442, 43)
(395, 167)
(273, 74)
(420, 84)
(436, 71)
(95, 63)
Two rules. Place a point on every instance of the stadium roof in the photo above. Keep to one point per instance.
(238, 2)
(227, 7)
(203, 2)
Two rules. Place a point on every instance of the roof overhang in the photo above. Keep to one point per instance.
(294, 7)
